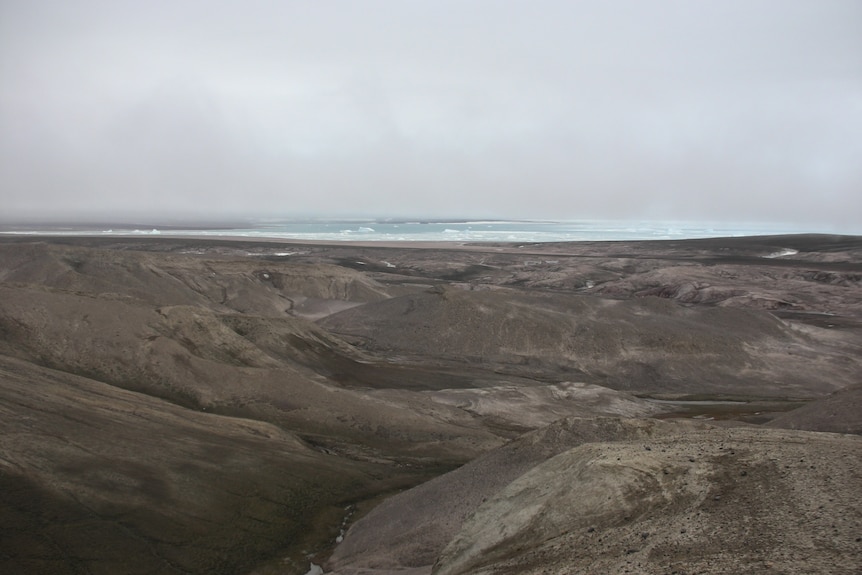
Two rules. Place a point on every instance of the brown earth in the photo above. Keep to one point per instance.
(839, 412)
(411, 529)
(736, 500)
(97, 479)
(205, 406)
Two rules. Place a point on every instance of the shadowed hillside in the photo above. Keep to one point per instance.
(97, 479)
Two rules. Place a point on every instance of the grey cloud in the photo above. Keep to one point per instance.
(728, 110)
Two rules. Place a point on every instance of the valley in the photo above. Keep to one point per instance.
(182, 405)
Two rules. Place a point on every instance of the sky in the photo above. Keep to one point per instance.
(720, 110)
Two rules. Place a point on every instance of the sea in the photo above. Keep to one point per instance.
(391, 230)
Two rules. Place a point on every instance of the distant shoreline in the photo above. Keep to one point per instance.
(798, 250)
(419, 232)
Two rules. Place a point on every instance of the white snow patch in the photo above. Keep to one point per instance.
(315, 570)
(782, 253)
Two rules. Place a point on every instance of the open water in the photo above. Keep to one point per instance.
(430, 231)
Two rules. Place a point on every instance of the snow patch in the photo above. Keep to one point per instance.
(782, 253)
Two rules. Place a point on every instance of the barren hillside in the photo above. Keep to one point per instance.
(203, 406)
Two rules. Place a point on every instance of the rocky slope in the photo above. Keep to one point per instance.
(647, 345)
(201, 406)
(96, 479)
(713, 501)
(838, 412)
(411, 529)
(627, 496)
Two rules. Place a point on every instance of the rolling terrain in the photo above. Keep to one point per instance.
(204, 406)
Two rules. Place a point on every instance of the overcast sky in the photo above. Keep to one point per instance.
(698, 110)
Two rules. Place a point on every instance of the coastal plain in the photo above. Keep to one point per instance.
(197, 405)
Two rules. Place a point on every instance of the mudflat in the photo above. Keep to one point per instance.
(182, 405)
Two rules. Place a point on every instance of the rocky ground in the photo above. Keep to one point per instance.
(204, 406)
